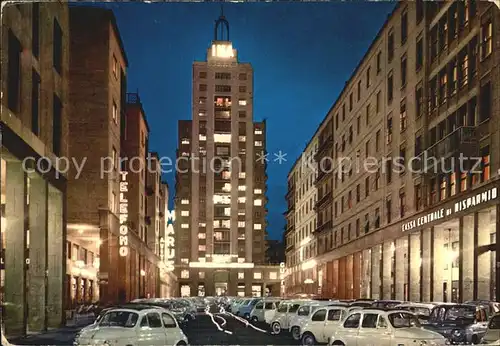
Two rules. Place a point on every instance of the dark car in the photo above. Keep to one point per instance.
(492, 307)
(459, 323)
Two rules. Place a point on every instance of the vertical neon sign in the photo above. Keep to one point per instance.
(123, 202)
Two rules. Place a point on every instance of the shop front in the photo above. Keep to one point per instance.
(32, 232)
(444, 253)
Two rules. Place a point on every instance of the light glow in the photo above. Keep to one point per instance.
(222, 50)
(123, 239)
(308, 281)
(309, 264)
(220, 265)
(170, 241)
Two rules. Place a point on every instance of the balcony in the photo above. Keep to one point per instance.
(327, 143)
(463, 141)
(325, 226)
(323, 172)
(323, 200)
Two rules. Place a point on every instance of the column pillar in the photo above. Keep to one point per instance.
(56, 259)
(483, 262)
(414, 266)
(497, 253)
(400, 272)
(438, 261)
(356, 273)
(37, 252)
(376, 256)
(209, 282)
(232, 285)
(387, 270)
(248, 282)
(426, 265)
(466, 259)
(15, 239)
(366, 258)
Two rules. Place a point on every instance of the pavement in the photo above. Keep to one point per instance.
(211, 328)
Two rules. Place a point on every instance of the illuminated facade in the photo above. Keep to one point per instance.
(34, 51)
(427, 88)
(220, 186)
(301, 222)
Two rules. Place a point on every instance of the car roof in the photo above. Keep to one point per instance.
(380, 310)
(134, 307)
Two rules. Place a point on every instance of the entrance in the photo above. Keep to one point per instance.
(221, 279)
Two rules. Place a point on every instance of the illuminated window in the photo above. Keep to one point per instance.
(202, 248)
(257, 191)
(222, 138)
(258, 131)
(226, 223)
(202, 113)
(257, 275)
(184, 225)
(226, 175)
(227, 211)
(202, 100)
(202, 224)
(115, 113)
(257, 202)
(184, 260)
(242, 188)
(184, 212)
(222, 199)
(242, 199)
(453, 189)
(202, 236)
(485, 169)
(202, 137)
(241, 236)
(257, 226)
(241, 275)
(463, 181)
(486, 38)
(241, 224)
(185, 274)
(202, 259)
(226, 187)
(241, 260)
(184, 201)
(242, 138)
(241, 212)
(185, 141)
(242, 175)
(258, 143)
(242, 102)
(273, 275)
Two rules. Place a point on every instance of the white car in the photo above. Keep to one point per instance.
(492, 336)
(375, 327)
(298, 321)
(264, 311)
(322, 324)
(4, 340)
(134, 326)
(284, 313)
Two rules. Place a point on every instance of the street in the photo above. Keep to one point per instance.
(224, 329)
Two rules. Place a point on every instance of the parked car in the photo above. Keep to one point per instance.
(421, 310)
(492, 334)
(264, 311)
(383, 328)
(284, 313)
(386, 304)
(492, 307)
(319, 325)
(140, 325)
(459, 323)
(246, 308)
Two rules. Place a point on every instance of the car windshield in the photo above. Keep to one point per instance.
(495, 322)
(420, 311)
(124, 319)
(460, 313)
(403, 320)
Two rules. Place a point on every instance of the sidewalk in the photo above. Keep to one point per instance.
(60, 336)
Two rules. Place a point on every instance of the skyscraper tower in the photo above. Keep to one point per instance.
(221, 183)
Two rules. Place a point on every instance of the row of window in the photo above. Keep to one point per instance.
(241, 275)
(222, 75)
(223, 88)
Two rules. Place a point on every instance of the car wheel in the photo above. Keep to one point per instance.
(475, 339)
(338, 343)
(276, 328)
(255, 319)
(247, 316)
(181, 343)
(295, 333)
(308, 339)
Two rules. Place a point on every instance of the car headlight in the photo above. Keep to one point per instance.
(456, 333)
(423, 342)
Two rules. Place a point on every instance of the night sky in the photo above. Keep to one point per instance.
(301, 53)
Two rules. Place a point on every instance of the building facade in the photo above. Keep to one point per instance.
(421, 222)
(301, 223)
(34, 134)
(221, 183)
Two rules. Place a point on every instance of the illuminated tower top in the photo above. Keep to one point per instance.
(221, 51)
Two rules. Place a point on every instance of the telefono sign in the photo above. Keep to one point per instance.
(459, 206)
(123, 205)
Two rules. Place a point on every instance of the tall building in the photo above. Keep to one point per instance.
(301, 246)
(411, 226)
(221, 183)
(34, 133)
